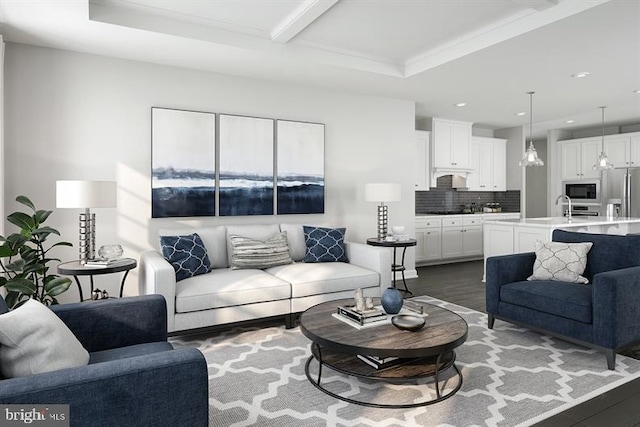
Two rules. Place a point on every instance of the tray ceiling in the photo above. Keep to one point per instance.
(435, 52)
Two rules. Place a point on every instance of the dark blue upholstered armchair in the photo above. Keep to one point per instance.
(134, 376)
(604, 314)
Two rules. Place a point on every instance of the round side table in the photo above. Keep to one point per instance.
(75, 269)
(395, 267)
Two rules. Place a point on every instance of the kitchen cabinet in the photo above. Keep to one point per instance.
(451, 237)
(421, 159)
(524, 238)
(623, 150)
(461, 237)
(471, 236)
(429, 239)
(578, 157)
(634, 151)
(489, 163)
(476, 178)
(450, 144)
(498, 240)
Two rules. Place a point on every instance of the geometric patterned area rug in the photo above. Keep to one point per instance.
(512, 376)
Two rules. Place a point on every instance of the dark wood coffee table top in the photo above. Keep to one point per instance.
(443, 332)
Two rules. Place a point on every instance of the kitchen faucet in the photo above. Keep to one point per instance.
(564, 196)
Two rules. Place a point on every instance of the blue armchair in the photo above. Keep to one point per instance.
(134, 376)
(604, 314)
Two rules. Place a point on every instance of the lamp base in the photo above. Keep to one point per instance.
(87, 230)
(383, 212)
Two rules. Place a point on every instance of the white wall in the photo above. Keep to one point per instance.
(536, 184)
(515, 151)
(78, 116)
(554, 175)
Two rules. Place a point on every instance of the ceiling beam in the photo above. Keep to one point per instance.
(495, 33)
(537, 4)
(301, 18)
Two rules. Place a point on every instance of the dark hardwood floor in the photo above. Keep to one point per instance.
(461, 283)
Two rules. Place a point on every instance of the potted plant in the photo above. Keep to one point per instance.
(24, 259)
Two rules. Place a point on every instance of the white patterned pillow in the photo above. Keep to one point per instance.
(564, 262)
(34, 340)
(253, 253)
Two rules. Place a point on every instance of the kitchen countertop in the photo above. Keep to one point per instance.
(435, 215)
(554, 222)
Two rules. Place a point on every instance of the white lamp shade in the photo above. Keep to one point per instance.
(382, 192)
(86, 194)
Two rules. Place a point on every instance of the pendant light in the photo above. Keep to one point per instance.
(531, 155)
(602, 162)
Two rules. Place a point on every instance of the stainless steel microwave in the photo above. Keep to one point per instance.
(587, 191)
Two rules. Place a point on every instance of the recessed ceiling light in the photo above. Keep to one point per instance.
(580, 74)
(570, 121)
(522, 113)
(461, 104)
(636, 91)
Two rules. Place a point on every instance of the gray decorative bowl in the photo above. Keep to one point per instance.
(408, 322)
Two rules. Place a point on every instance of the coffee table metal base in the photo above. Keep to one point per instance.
(351, 365)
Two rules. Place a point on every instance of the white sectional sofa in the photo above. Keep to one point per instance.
(225, 295)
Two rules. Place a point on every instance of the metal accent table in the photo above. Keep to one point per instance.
(395, 267)
(75, 269)
(426, 353)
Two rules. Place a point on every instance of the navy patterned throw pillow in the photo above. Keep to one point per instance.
(187, 255)
(324, 244)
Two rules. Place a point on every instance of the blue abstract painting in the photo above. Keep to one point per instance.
(183, 163)
(246, 166)
(300, 163)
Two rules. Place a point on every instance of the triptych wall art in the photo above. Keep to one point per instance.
(206, 164)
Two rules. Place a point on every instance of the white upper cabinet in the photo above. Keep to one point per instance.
(590, 152)
(499, 165)
(489, 163)
(570, 160)
(473, 179)
(421, 161)
(623, 150)
(578, 157)
(450, 144)
(634, 151)
(617, 150)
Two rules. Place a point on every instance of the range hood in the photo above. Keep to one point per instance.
(452, 181)
(462, 172)
(451, 177)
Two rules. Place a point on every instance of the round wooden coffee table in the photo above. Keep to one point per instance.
(424, 353)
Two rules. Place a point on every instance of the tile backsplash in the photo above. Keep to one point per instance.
(446, 199)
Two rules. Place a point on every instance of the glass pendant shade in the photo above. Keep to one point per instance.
(531, 155)
(602, 162)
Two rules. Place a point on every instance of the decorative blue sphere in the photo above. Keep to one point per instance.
(392, 301)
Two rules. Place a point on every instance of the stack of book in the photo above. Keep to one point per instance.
(380, 362)
(362, 317)
(104, 263)
(414, 307)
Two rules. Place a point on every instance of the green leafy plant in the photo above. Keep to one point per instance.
(25, 261)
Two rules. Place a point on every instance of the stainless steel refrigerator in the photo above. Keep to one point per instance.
(622, 184)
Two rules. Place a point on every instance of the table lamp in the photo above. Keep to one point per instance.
(86, 195)
(382, 192)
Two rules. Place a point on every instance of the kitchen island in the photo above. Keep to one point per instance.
(510, 236)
